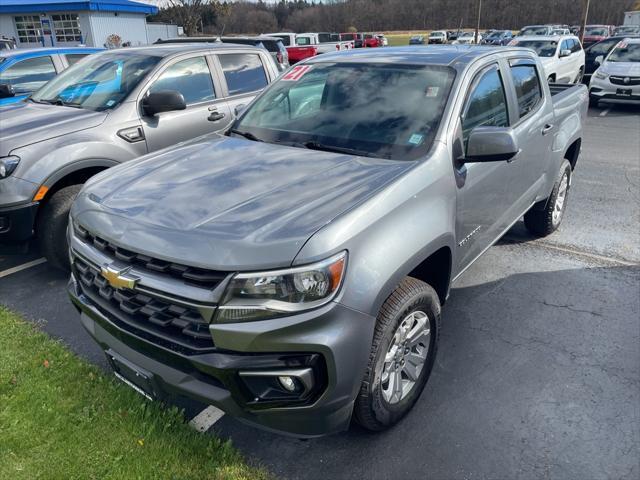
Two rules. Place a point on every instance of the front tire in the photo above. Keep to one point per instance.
(51, 226)
(402, 354)
(543, 222)
(593, 101)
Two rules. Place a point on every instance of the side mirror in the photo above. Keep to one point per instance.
(491, 144)
(565, 53)
(599, 59)
(163, 101)
(6, 90)
(239, 109)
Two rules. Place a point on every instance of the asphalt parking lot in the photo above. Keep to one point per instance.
(538, 372)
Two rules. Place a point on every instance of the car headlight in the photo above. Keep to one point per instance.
(601, 75)
(8, 165)
(270, 294)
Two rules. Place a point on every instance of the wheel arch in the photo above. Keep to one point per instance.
(572, 152)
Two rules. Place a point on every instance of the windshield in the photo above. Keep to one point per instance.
(595, 31)
(100, 82)
(436, 34)
(534, 31)
(377, 110)
(544, 48)
(625, 52)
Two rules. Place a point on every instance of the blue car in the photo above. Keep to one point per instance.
(22, 72)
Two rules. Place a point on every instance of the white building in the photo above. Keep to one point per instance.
(632, 18)
(37, 23)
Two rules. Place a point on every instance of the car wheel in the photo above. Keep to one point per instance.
(544, 221)
(593, 101)
(580, 75)
(402, 355)
(551, 79)
(51, 226)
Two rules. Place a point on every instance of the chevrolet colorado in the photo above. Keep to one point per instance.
(292, 271)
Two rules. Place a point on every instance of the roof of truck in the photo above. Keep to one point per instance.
(425, 55)
(166, 49)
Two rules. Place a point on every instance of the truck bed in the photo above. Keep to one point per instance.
(566, 96)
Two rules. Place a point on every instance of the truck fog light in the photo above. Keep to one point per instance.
(288, 383)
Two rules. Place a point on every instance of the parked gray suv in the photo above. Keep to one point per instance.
(109, 108)
(292, 272)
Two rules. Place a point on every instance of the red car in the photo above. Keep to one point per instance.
(370, 40)
(297, 54)
(596, 33)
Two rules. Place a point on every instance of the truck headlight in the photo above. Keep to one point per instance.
(8, 165)
(264, 295)
(601, 75)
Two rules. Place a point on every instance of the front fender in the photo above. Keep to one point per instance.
(390, 234)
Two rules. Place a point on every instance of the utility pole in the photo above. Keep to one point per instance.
(584, 19)
(478, 23)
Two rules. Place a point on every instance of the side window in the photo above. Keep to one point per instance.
(244, 72)
(565, 45)
(190, 77)
(576, 46)
(528, 90)
(73, 58)
(29, 75)
(486, 105)
(602, 48)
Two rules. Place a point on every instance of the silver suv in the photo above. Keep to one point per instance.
(109, 108)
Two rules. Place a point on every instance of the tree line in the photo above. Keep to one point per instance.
(222, 17)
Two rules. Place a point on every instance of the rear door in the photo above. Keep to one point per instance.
(533, 123)
(206, 112)
(244, 75)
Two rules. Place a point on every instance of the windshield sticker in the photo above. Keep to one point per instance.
(432, 92)
(110, 103)
(296, 73)
(416, 139)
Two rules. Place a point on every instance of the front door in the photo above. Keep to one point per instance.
(482, 196)
(205, 112)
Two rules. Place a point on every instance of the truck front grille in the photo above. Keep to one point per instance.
(178, 327)
(198, 277)
(633, 81)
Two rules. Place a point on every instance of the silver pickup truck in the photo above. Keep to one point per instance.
(113, 107)
(292, 272)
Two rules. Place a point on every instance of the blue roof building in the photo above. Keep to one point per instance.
(63, 23)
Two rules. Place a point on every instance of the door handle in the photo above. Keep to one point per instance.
(547, 128)
(215, 116)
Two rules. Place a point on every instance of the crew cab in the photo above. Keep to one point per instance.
(298, 49)
(618, 75)
(112, 107)
(562, 56)
(23, 71)
(292, 272)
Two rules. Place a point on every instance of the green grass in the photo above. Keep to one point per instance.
(396, 40)
(61, 417)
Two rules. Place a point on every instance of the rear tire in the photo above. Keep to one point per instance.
(580, 76)
(402, 354)
(542, 222)
(51, 226)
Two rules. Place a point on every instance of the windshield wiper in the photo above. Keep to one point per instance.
(57, 101)
(336, 149)
(247, 135)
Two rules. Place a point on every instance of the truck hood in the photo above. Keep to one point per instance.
(25, 123)
(622, 69)
(228, 203)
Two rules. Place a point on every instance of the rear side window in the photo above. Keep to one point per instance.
(576, 46)
(244, 72)
(566, 45)
(190, 77)
(29, 75)
(486, 105)
(528, 90)
(73, 58)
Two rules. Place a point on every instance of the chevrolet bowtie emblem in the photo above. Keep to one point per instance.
(118, 278)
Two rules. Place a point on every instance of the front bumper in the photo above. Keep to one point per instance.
(603, 89)
(17, 222)
(334, 340)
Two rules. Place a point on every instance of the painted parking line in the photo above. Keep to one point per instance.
(206, 418)
(604, 112)
(24, 266)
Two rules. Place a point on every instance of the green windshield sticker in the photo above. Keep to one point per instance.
(416, 139)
